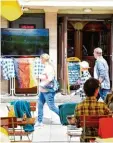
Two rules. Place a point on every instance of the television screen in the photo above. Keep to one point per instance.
(17, 42)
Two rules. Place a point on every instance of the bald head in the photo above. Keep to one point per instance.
(97, 52)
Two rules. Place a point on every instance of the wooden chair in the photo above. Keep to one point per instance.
(86, 121)
(33, 107)
(72, 129)
(11, 124)
(4, 123)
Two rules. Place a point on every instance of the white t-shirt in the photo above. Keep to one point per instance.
(49, 71)
(47, 75)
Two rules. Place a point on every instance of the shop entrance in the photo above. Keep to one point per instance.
(87, 36)
(82, 38)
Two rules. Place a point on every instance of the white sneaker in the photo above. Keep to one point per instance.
(72, 94)
(37, 124)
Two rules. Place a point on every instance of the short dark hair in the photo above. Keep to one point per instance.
(90, 86)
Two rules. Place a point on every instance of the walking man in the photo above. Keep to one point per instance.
(101, 72)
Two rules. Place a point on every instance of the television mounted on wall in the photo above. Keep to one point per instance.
(18, 42)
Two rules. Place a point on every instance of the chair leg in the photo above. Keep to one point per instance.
(32, 136)
(69, 138)
(28, 137)
(21, 137)
(21, 134)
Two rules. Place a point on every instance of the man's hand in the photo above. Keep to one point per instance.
(71, 120)
(100, 80)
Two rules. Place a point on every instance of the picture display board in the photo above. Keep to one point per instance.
(73, 71)
(18, 42)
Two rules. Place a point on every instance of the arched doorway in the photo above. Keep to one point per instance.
(95, 34)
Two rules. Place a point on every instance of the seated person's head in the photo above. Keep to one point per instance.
(91, 87)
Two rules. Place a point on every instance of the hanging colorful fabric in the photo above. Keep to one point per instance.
(11, 10)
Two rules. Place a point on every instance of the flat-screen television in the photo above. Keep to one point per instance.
(17, 42)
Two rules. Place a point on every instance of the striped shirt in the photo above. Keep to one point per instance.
(84, 77)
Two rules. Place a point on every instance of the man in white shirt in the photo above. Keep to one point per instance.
(101, 72)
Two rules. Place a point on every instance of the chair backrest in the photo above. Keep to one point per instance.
(8, 122)
(91, 120)
(4, 122)
(33, 106)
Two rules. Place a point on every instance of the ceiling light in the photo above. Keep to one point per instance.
(25, 8)
(87, 10)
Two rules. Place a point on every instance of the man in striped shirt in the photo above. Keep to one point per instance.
(90, 106)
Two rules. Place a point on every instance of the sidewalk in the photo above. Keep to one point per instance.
(52, 131)
(59, 98)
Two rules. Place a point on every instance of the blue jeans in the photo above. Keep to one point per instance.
(47, 97)
(103, 93)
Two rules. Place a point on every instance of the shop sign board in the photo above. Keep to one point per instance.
(73, 71)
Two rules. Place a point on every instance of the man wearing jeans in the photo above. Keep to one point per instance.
(101, 72)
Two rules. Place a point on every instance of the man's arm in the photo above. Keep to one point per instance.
(101, 70)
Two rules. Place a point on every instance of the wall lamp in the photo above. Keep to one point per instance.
(87, 10)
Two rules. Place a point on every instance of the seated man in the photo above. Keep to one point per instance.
(90, 106)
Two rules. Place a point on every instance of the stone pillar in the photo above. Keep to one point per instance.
(4, 23)
(51, 24)
(78, 26)
(78, 44)
(3, 83)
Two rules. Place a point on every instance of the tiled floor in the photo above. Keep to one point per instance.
(52, 131)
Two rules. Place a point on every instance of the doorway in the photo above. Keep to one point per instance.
(92, 35)
(82, 38)
(96, 34)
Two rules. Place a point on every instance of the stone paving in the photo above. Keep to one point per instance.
(52, 131)
(59, 98)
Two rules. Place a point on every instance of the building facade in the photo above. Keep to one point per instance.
(75, 29)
